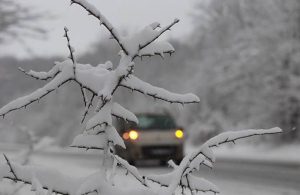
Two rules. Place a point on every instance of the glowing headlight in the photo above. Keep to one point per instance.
(179, 133)
(133, 135)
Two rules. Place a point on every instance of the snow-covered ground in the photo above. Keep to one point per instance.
(230, 184)
(285, 154)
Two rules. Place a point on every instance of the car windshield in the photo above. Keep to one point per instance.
(147, 122)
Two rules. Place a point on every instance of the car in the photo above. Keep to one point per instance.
(156, 136)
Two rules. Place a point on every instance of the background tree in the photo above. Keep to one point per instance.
(17, 21)
(247, 58)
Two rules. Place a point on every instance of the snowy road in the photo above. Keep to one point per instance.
(232, 177)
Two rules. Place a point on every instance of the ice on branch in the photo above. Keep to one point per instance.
(136, 84)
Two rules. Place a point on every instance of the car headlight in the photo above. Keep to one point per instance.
(133, 135)
(179, 134)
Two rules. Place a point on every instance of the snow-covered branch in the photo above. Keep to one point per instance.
(121, 112)
(42, 75)
(157, 48)
(131, 169)
(136, 84)
(92, 10)
(193, 161)
(24, 101)
(51, 179)
(150, 36)
(89, 142)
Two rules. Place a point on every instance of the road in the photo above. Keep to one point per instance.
(233, 177)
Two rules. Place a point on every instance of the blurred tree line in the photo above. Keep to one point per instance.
(242, 60)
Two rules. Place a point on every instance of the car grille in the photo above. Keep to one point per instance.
(158, 151)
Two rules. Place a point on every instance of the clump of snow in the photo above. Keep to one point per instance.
(114, 137)
(121, 112)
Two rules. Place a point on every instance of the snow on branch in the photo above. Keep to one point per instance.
(232, 136)
(193, 161)
(89, 142)
(24, 101)
(131, 169)
(50, 179)
(142, 43)
(92, 10)
(157, 48)
(190, 182)
(121, 112)
(103, 117)
(55, 182)
(154, 36)
(135, 84)
(42, 75)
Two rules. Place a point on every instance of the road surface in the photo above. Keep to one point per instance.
(233, 177)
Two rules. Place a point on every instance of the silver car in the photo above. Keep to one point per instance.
(155, 137)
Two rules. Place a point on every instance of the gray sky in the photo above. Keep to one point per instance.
(84, 30)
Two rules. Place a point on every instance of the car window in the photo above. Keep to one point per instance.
(147, 122)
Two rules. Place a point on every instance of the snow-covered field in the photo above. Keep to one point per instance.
(229, 182)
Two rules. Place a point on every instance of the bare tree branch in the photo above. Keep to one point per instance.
(71, 50)
(83, 93)
(11, 168)
(87, 108)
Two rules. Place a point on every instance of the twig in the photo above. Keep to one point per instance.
(71, 50)
(11, 168)
(158, 35)
(94, 12)
(87, 108)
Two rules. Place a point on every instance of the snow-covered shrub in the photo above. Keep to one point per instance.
(100, 82)
(23, 157)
